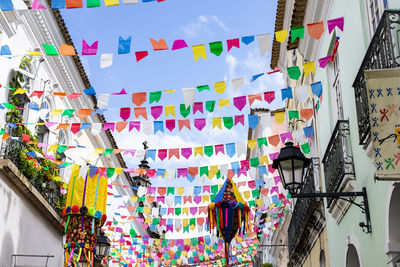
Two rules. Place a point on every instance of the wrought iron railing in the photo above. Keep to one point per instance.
(303, 209)
(383, 53)
(12, 149)
(338, 159)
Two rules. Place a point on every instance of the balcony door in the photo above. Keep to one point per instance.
(374, 11)
(352, 259)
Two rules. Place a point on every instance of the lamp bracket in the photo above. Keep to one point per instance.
(347, 196)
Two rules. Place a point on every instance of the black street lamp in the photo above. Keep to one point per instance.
(292, 166)
(102, 247)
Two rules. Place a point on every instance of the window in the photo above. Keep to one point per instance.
(336, 90)
(42, 130)
(352, 259)
(375, 10)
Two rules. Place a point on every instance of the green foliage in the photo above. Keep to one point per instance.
(267, 265)
(41, 172)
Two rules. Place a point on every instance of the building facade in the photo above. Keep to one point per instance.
(343, 141)
(33, 197)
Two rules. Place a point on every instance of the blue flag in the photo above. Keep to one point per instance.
(286, 93)
(253, 121)
(158, 126)
(248, 39)
(316, 89)
(89, 91)
(151, 153)
(124, 45)
(230, 149)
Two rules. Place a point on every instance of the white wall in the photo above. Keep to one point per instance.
(24, 230)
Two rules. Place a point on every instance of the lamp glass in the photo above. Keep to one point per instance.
(292, 174)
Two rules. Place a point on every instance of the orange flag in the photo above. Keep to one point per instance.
(121, 125)
(67, 50)
(83, 113)
(5, 136)
(173, 152)
(307, 113)
(60, 94)
(138, 98)
(62, 126)
(160, 45)
(252, 98)
(73, 3)
(316, 30)
(140, 112)
(274, 140)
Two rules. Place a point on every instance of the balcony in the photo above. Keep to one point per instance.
(307, 219)
(383, 53)
(338, 160)
(40, 176)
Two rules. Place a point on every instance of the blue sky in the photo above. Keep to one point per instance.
(197, 22)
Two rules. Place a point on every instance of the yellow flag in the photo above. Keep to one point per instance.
(192, 227)
(111, 2)
(198, 151)
(170, 110)
(264, 160)
(220, 87)
(252, 144)
(56, 112)
(170, 91)
(259, 202)
(99, 150)
(246, 194)
(280, 117)
(180, 190)
(280, 36)
(148, 220)
(20, 91)
(213, 170)
(34, 53)
(309, 67)
(185, 210)
(52, 148)
(118, 170)
(199, 51)
(223, 103)
(217, 122)
(185, 222)
(134, 198)
(147, 210)
(206, 198)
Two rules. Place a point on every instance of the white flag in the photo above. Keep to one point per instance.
(264, 43)
(106, 60)
(188, 96)
(236, 83)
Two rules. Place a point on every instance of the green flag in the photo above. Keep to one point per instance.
(186, 229)
(262, 141)
(2, 131)
(212, 197)
(184, 111)
(9, 105)
(108, 151)
(254, 162)
(204, 170)
(110, 172)
(305, 148)
(61, 149)
(178, 211)
(252, 203)
(294, 72)
(210, 105)
(139, 209)
(293, 114)
(171, 190)
(255, 193)
(296, 32)
(209, 150)
(68, 113)
(192, 221)
(50, 50)
(155, 96)
(93, 3)
(214, 189)
(228, 122)
(156, 221)
(216, 48)
(203, 87)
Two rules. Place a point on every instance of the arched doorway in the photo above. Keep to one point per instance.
(352, 259)
(393, 229)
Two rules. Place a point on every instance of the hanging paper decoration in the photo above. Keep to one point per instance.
(84, 213)
(228, 214)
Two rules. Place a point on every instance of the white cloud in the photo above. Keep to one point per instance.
(203, 26)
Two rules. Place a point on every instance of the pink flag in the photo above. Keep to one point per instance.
(239, 184)
(74, 96)
(187, 198)
(274, 189)
(186, 152)
(170, 125)
(239, 102)
(199, 123)
(233, 43)
(171, 211)
(203, 209)
(109, 126)
(162, 154)
(179, 44)
(134, 124)
(125, 113)
(123, 92)
(141, 55)
(151, 173)
(269, 96)
(36, 5)
(324, 61)
(197, 199)
(285, 136)
(182, 172)
(173, 152)
(338, 22)
(198, 106)
(193, 210)
(277, 179)
(251, 184)
(156, 111)
(75, 127)
(219, 148)
(244, 164)
(130, 151)
(239, 119)
(273, 156)
(89, 50)
(170, 228)
(161, 199)
(206, 188)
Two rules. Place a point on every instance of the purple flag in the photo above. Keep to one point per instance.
(199, 123)
(156, 111)
(186, 152)
(338, 22)
(134, 124)
(239, 102)
(89, 50)
(239, 119)
(109, 125)
(170, 125)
